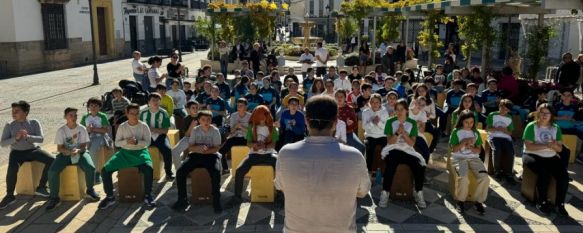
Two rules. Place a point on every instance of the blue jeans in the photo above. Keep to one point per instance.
(352, 140)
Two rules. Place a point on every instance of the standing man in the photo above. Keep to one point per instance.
(331, 190)
(568, 73)
(321, 60)
(139, 68)
(306, 59)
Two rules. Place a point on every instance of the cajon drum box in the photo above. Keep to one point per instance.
(237, 154)
(201, 189)
(72, 185)
(173, 137)
(104, 155)
(262, 187)
(130, 184)
(402, 187)
(518, 127)
(157, 162)
(440, 99)
(28, 177)
(428, 138)
(528, 186)
(453, 182)
(360, 131)
(378, 162)
(570, 141)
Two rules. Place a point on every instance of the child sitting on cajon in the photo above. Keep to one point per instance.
(133, 136)
(465, 145)
(97, 126)
(204, 142)
(71, 141)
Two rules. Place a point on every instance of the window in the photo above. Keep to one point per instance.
(311, 7)
(54, 26)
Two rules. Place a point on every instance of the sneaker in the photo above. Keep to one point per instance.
(218, 208)
(510, 180)
(8, 200)
(544, 208)
(149, 201)
(106, 202)
(384, 199)
(180, 205)
(42, 191)
(420, 199)
(498, 177)
(52, 203)
(459, 207)
(561, 210)
(92, 194)
(170, 178)
(480, 208)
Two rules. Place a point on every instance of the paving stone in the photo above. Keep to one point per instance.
(394, 213)
(440, 213)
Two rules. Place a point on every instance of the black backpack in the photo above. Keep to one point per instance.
(107, 99)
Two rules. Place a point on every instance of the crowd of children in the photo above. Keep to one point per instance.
(396, 115)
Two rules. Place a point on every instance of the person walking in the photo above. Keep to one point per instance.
(330, 190)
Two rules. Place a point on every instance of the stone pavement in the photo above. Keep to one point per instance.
(51, 92)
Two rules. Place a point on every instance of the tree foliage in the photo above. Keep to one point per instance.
(389, 28)
(476, 30)
(346, 27)
(427, 37)
(537, 41)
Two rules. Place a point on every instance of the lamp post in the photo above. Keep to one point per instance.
(95, 76)
(328, 24)
(179, 37)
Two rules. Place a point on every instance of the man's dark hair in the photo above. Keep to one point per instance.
(507, 70)
(365, 86)
(321, 112)
(429, 80)
(205, 113)
(23, 105)
(310, 70)
(70, 109)
(117, 89)
(154, 59)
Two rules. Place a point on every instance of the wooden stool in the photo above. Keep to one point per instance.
(440, 99)
(104, 155)
(453, 182)
(378, 162)
(201, 188)
(130, 185)
(360, 132)
(157, 162)
(72, 186)
(518, 127)
(28, 177)
(402, 187)
(173, 136)
(528, 186)
(570, 141)
(238, 153)
(448, 124)
(428, 138)
(262, 187)
(488, 160)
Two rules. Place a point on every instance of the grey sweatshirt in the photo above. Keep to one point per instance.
(35, 135)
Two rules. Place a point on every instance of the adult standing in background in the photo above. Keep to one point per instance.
(306, 59)
(255, 58)
(330, 190)
(139, 69)
(175, 71)
(321, 60)
(568, 73)
(224, 53)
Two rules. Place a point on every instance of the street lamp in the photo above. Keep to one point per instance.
(95, 76)
(178, 32)
(328, 23)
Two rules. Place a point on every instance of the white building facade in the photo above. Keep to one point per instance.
(41, 35)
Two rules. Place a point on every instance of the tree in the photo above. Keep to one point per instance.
(476, 31)
(346, 27)
(389, 28)
(358, 10)
(537, 41)
(428, 38)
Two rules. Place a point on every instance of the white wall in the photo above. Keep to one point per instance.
(118, 19)
(77, 20)
(27, 21)
(7, 21)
